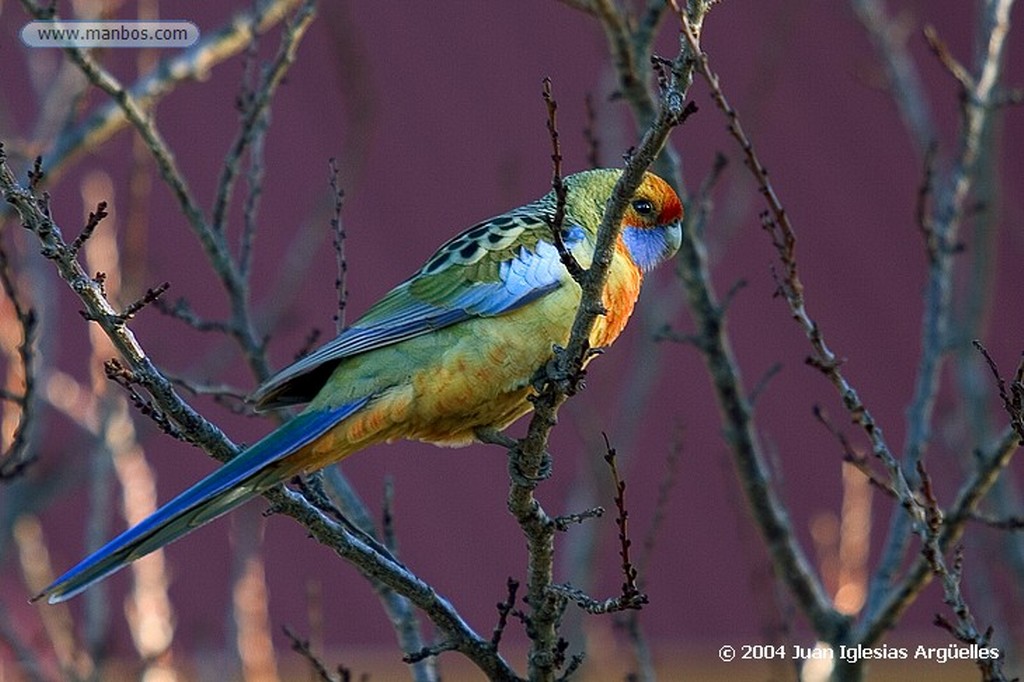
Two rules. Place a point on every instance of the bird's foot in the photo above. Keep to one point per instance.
(524, 479)
(562, 373)
(493, 436)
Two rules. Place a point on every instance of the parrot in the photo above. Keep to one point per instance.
(448, 352)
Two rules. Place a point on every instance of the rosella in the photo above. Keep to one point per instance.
(449, 351)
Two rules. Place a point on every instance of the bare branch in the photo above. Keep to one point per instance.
(338, 236)
(596, 607)
(146, 128)
(630, 39)
(558, 380)
(430, 652)
(949, 199)
(955, 68)
(852, 457)
(303, 648)
(565, 521)
(151, 296)
(965, 629)
(90, 226)
(1013, 399)
(590, 133)
(1012, 523)
(128, 380)
(765, 379)
(231, 273)
(504, 608)
(19, 454)
(254, 107)
(194, 63)
(665, 488)
(35, 216)
(181, 310)
(989, 464)
(558, 221)
(631, 593)
(788, 556)
(889, 36)
(925, 223)
(372, 564)
(528, 459)
(776, 222)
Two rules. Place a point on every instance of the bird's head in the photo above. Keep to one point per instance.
(651, 224)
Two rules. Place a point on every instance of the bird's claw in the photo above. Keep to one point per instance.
(492, 436)
(515, 456)
(523, 479)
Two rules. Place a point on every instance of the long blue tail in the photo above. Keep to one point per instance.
(247, 475)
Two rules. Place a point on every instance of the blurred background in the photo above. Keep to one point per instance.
(434, 114)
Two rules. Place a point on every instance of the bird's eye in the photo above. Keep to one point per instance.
(643, 206)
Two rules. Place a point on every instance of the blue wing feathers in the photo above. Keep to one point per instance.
(218, 493)
(525, 277)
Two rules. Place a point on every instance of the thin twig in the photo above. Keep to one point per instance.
(889, 36)
(231, 273)
(949, 199)
(863, 464)
(133, 111)
(665, 488)
(375, 566)
(19, 453)
(590, 133)
(302, 647)
(195, 63)
(763, 382)
(557, 223)
(776, 222)
(255, 103)
(1013, 523)
(91, 224)
(430, 651)
(504, 609)
(965, 629)
(528, 458)
(597, 607)
(1013, 399)
(254, 187)
(387, 518)
(338, 236)
(565, 521)
(989, 465)
(925, 222)
(128, 380)
(631, 594)
(248, 133)
(151, 296)
(954, 67)
(788, 556)
(556, 382)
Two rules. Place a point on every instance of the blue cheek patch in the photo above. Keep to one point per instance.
(647, 246)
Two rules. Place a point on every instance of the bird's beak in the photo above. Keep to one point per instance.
(673, 237)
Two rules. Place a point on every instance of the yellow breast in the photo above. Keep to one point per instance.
(442, 386)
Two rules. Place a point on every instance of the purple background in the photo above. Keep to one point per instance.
(455, 133)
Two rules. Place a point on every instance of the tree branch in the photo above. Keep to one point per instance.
(375, 566)
(18, 454)
(792, 564)
(193, 63)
